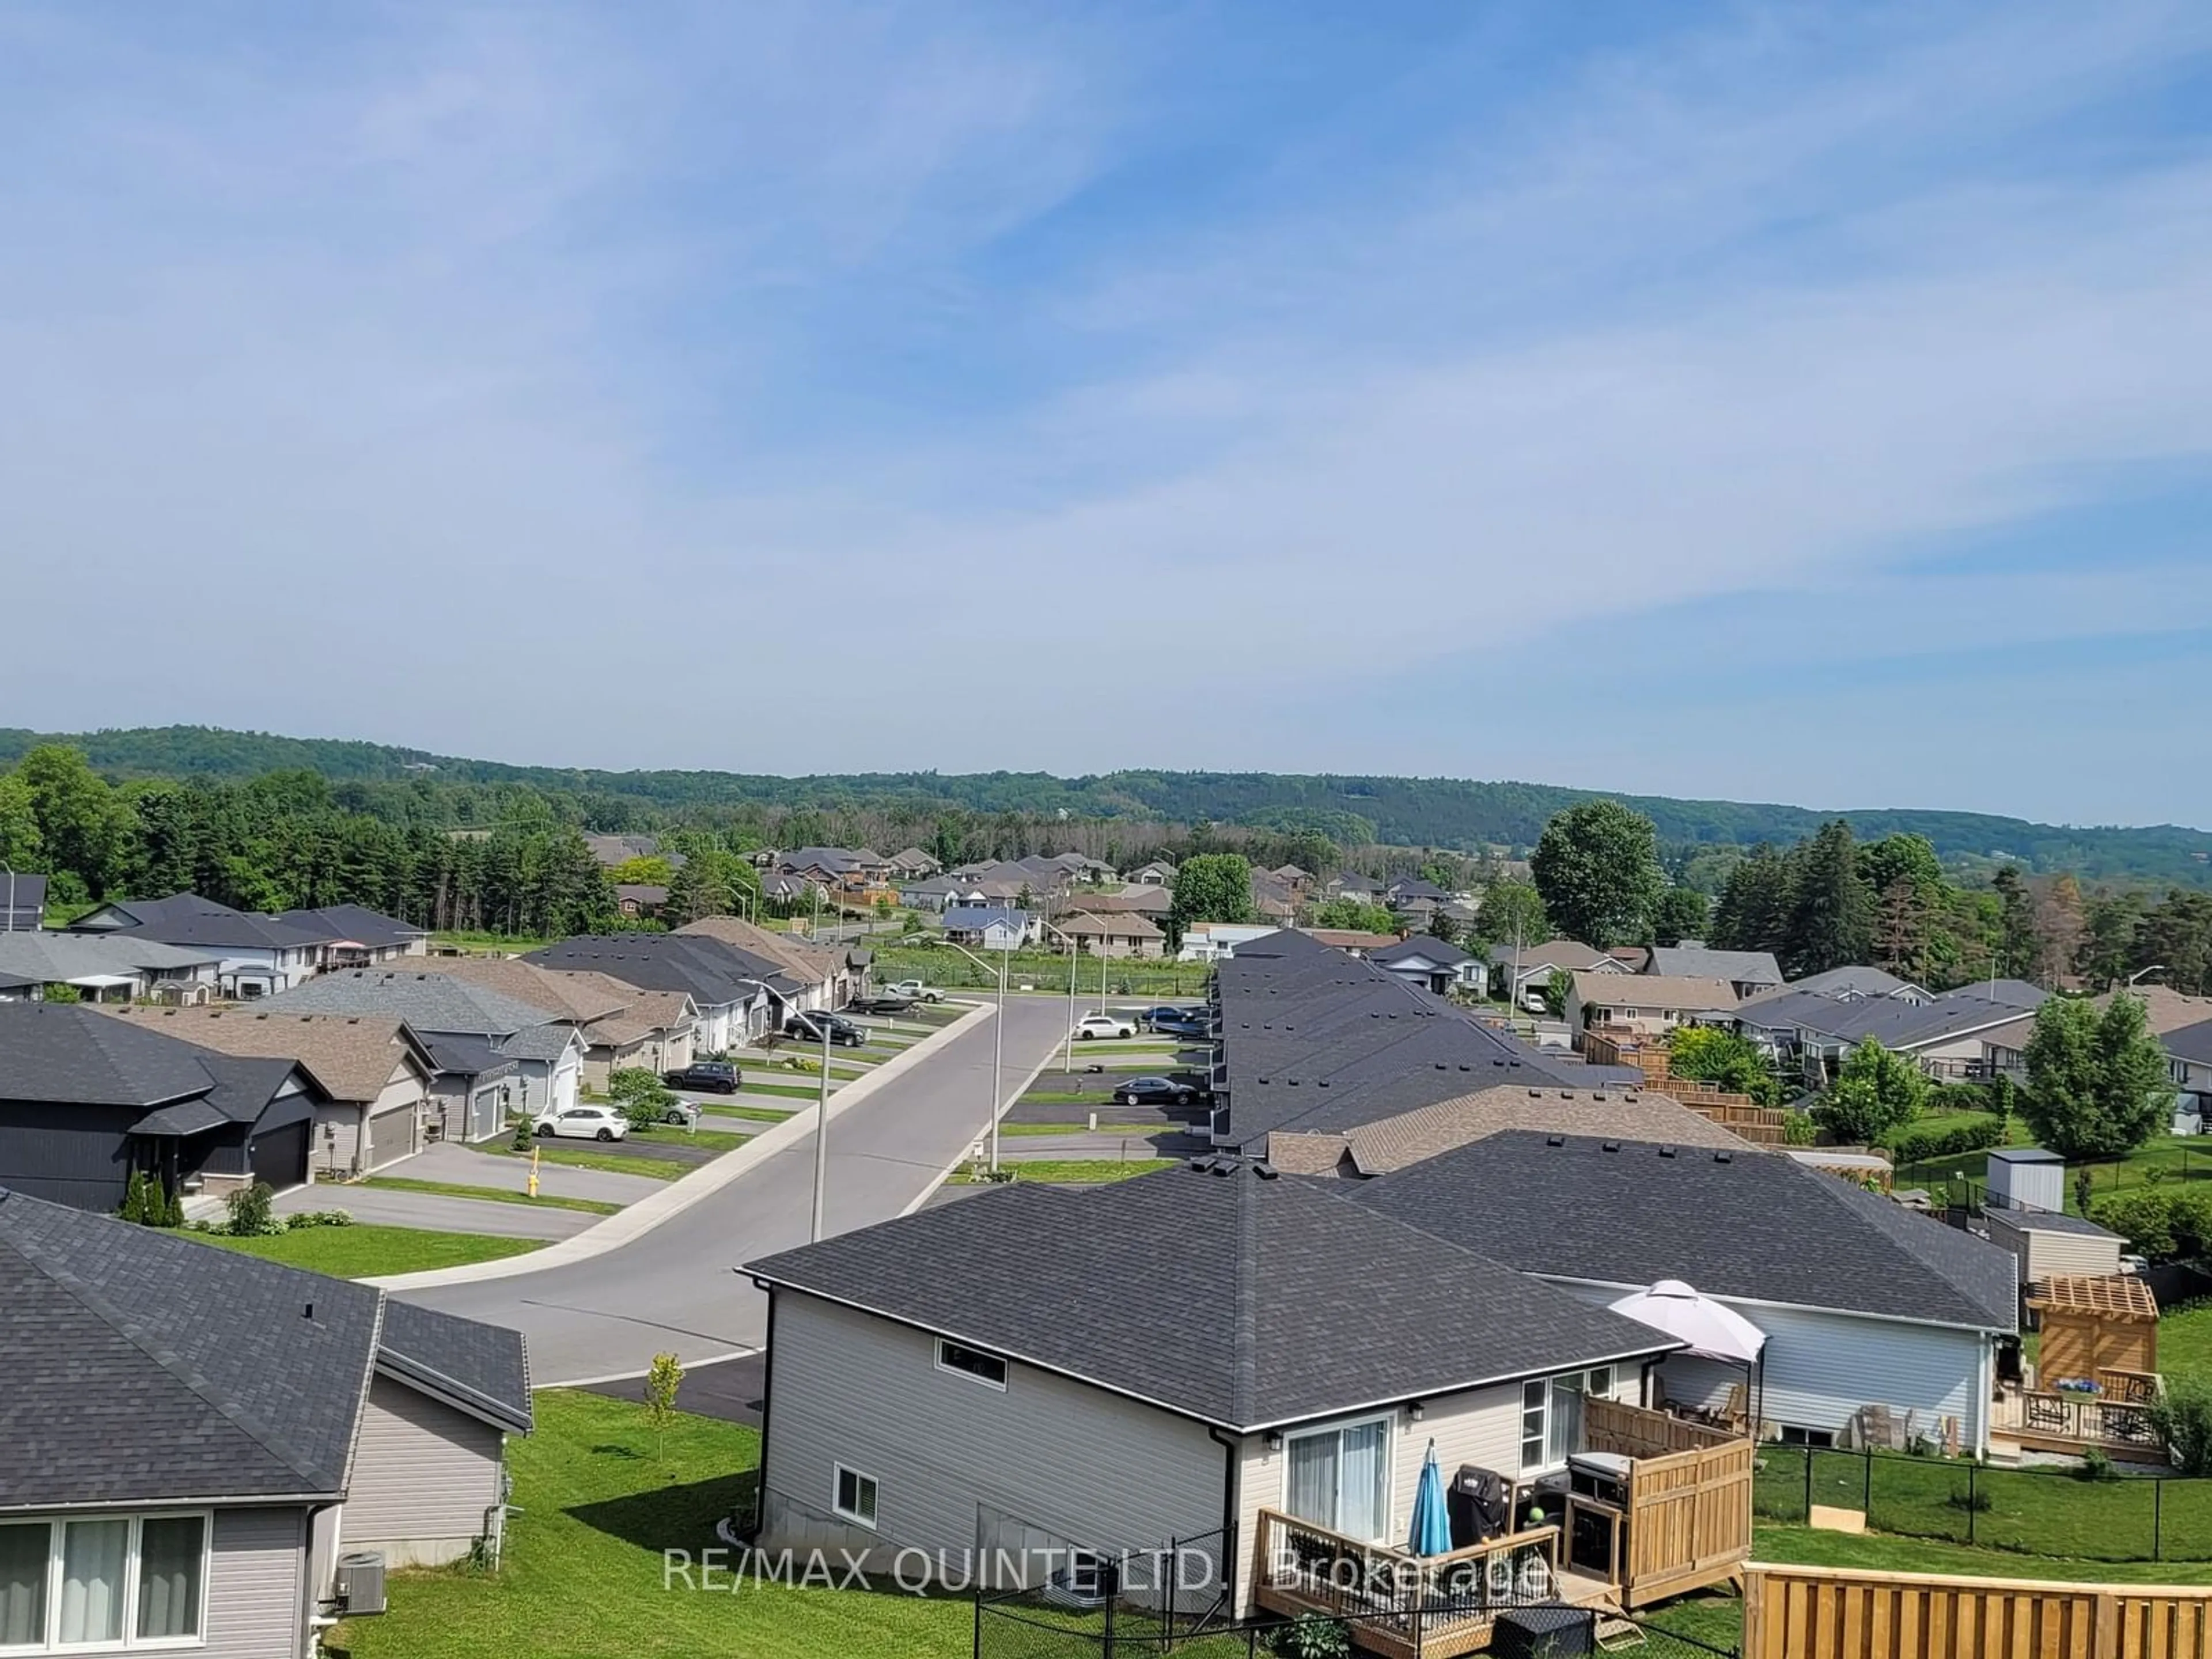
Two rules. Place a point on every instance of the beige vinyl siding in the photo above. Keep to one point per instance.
(1045, 1462)
(2047, 1255)
(339, 1126)
(423, 1475)
(257, 1599)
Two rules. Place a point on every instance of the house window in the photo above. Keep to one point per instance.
(1792, 1435)
(856, 1496)
(1340, 1479)
(986, 1368)
(1552, 1416)
(111, 1581)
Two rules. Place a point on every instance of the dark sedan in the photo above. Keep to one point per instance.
(1167, 1012)
(1156, 1091)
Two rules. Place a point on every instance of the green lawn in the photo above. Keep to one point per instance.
(597, 1501)
(2185, 1339)
(1070, 1170)
(756, 1114)
(2181, 1157)
(505, 943)
(370, 1252)
(792, 1090)
(1041, 1129)
(668, 1134)
(489, 1195)
(577, 1158)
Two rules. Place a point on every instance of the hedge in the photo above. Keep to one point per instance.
(1910, 1145)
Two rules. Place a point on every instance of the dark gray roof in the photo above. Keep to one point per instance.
(710, 970)
(2025, 1155)
(1897, 1023)
(479, 1367)
(427, 1000)
(72, 1054)
(355, 924)
(1844, 984)
(1421, 945)
(1760, 1227)
(141, 1365)
(29, 892)
(1258, 1324)
(188, 919)
(1416, 887)
(467, 1054)
(974, 918)
(2191, 1043)
(2047, 1221)
(1699, 962)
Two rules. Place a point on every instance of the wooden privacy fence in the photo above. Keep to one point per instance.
(1833, 1613)
(1687, 1515)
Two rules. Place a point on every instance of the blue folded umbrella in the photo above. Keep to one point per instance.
(1431, 1530)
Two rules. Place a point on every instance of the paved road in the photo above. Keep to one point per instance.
(674, 1288)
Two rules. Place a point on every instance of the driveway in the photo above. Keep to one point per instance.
(676, 1288)
(438, 1212)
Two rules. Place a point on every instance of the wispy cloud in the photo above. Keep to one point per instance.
(491, 351)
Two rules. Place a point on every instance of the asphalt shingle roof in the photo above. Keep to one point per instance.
(70, 1054)
(188, 919)
(1072, 1281)
(427, 1000)
(1700, 962)
(485, 1366)
(1758, 1227)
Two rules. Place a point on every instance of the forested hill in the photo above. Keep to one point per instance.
(1412, 811)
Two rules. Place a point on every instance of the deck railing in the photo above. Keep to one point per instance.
(1410, 1603)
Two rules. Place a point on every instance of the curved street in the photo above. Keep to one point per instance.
(674, 1288)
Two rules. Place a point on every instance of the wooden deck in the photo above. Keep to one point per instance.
(2115, 1420)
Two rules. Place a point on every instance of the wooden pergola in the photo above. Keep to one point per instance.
(2094, 1324)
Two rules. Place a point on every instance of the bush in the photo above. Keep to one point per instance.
(1798, 1129)
(2096, 1466)
(318, 1219)
(2166, 1223)
(522, 1137)
(644, 1098)
(147, 1203)
(1948, 1098)
(1312, 1636)
(1910, 1146)
(251, 1214)
(2182, 1417)
(1876, 1093)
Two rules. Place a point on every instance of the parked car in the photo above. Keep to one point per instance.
(583, 1123)
(915, 990)
(1105, 1025)
(713, 1077)
(1156, 1092)
(882, 1002)
(808, 1024)
(681, 1112)
(1194, 1025)
(1166, 1011)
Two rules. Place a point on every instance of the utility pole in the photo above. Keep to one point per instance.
(822, 1129)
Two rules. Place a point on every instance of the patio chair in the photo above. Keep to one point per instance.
(1616, 1635)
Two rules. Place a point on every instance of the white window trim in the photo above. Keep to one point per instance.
(1550, 1409)
(1006, 1369)
(132, 1642)
(1389, 1420)
(837, 1474)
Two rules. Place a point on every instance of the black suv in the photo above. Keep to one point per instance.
(808, 1024)
(713, 1077)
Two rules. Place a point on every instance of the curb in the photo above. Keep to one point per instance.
(679, 1196)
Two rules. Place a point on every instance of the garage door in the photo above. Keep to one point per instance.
(390, 1136)
(280, 1155)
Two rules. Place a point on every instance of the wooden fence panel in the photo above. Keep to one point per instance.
(1830, 1612)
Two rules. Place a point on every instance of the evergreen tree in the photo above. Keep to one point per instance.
(1753, 913)
(1681, 913)
(1831, 913)
(2016, 940)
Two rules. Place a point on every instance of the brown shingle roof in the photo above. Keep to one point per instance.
(579, 996)
(808, 964)
(1655, 991)
(1129, 925)
(1411, 1137)
(352, 1057)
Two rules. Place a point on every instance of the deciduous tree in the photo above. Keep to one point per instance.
(1512, 909)
(1680, 913)
(1211, 887)
(1875, 1093)
(1596, 866)
(2097, 1084)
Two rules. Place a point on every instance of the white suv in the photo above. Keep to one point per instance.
(583, 1123)
(1105, 1025)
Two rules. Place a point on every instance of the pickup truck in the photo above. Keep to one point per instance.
(914, 991)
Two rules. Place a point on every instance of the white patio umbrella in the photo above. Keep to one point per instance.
(1713, 1330)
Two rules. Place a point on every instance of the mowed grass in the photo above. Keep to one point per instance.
(372, 1252)
(598, 1498)
(713, 1140)
(719, 1108)
(2185, 1340)
(576, 1158)
(1073, 1171)
(489, 1195)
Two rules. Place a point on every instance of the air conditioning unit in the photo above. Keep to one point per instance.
(361, 1582)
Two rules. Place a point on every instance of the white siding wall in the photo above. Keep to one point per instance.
(1821, 1366)
(257, 1599)
(423, 1475)
(1047, 1461)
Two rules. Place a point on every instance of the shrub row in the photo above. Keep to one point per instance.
(1910, 1145)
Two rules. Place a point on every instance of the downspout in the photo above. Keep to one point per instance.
(768, 1404)
(1233, 1450)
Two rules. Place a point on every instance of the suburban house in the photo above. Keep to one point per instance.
(913, 865)
(1849, 984)
(1971, 1032)
(440, 1008)
(991, 928)
(1405, 890)
(1159, 872)
(619, 1025)
(1748, 973)
(374, 1073)
(1515, 972)
(933, 893)
(1432, 962)
(933, 1391)
(1110, 934)
(798, 975)
(1212, 941)
(1273, 900)
(778, 888)
(189, 1438)
(639, 898)
(22, 902)
(729, 996)
(355, 936)
(255, 956)
(1864, 1302)
(1352, 941)
(87, 1100)
(615, 850)
(2188, 1063)
(102, 968)
(1155, 904)
(1649, 1005)
(1349, 883)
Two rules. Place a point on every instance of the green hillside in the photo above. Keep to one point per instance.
(1413, 812)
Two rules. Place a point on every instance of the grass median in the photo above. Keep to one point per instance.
(367, 1251)
(487, 1194)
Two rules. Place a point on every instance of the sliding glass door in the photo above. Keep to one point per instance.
(1340, 1479)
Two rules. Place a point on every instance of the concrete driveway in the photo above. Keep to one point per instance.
(438, 1212)
(677, 1287)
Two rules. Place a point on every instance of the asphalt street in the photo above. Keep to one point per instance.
(676, 1288)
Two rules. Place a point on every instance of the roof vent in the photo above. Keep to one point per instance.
(1566, 1094)
(1597, 1093)
(1265, 1170)
(308, 1312)
(1221, 1166)
(1535, 1094)
(1320, 1083)
(1611, 1147)
(1555, 1140)
(1442, 1067)
(1724, 1157)
(1665, 1152)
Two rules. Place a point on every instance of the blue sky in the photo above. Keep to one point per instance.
(1775, 402)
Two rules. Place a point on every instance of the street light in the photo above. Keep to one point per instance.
(1067, 1042)
(998, 1044)
(822, 1016)
(2155, 968)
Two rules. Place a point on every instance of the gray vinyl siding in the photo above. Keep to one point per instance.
(1047, 1462)
(73, 1155)
(1821, 1366)
(257, 1600)
(423, 1476)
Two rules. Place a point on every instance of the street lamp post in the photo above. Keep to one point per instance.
(2155, 968)
(1067, 1042)
(821, 1129)
(998, 1045)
